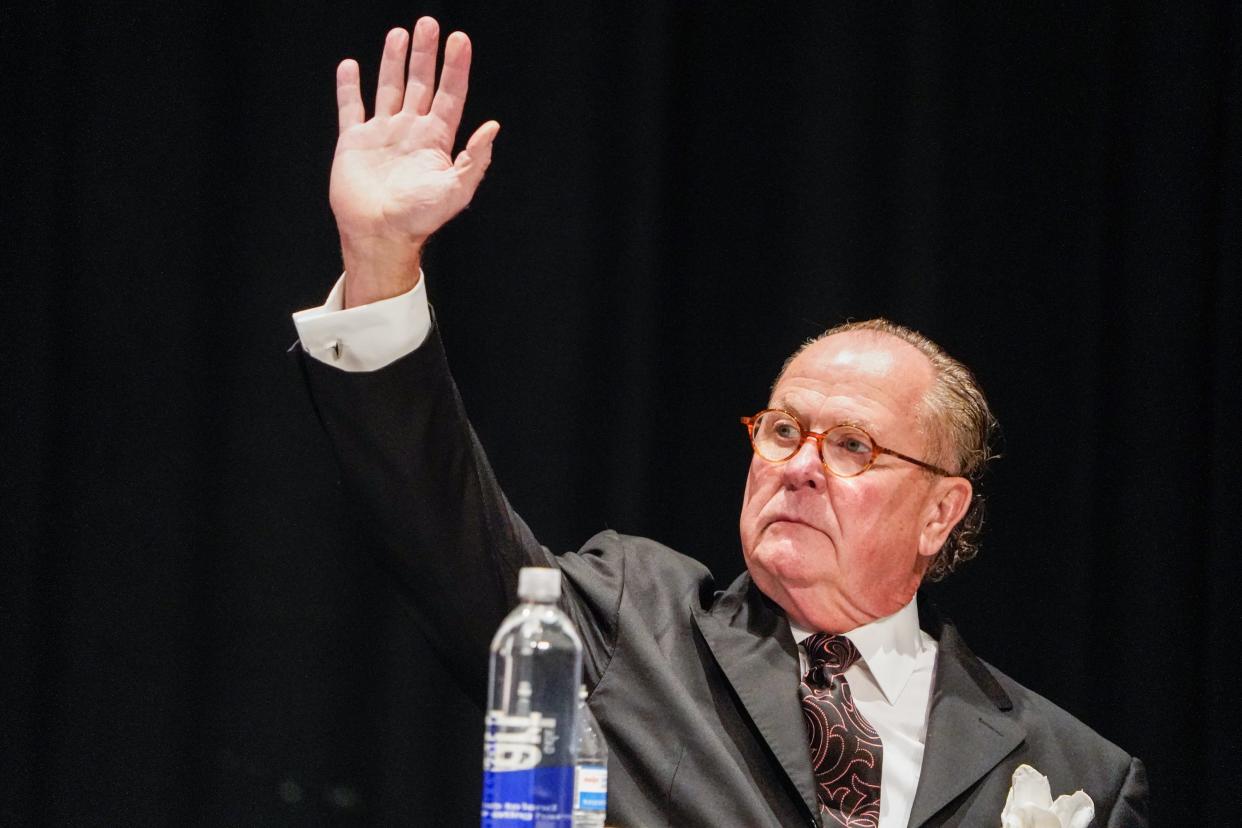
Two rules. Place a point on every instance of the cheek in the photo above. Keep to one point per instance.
(854, 503)
(760, 486)
(874, 519)
(750, 485)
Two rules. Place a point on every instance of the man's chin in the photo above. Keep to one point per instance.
(782, 564)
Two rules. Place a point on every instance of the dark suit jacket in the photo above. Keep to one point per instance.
(695, 688)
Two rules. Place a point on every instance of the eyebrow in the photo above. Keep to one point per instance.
(786, 404)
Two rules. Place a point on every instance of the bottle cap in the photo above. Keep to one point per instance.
(537, 583)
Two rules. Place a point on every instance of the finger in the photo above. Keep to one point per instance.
(422, 82)
(474, 160)
(391, 87)
(349, 109)
(454, 80)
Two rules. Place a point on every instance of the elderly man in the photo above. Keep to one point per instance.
(814, 690)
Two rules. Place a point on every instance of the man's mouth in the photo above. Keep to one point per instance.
(787, 519)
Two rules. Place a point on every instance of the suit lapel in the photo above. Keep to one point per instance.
(755, 649)
(969, 730)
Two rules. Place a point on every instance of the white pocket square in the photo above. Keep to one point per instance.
(1030, 805)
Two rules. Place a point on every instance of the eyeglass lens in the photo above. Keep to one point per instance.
(846, 450)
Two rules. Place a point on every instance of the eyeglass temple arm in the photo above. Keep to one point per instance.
(920, 463)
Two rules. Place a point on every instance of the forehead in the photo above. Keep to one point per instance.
(872, 378)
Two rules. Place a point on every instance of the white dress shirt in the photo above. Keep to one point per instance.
(891, 682)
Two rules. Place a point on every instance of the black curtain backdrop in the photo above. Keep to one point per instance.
(192, 630)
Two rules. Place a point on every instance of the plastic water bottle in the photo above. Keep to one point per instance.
(528, 742)
(590, 769)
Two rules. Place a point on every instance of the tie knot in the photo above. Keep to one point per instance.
(828, 656)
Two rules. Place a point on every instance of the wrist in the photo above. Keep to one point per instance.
(377, 268)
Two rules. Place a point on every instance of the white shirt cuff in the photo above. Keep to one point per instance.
(366, 337)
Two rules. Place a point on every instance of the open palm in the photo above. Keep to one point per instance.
(394, 178)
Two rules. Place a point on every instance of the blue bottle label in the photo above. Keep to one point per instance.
(528, 774)
(538, 798)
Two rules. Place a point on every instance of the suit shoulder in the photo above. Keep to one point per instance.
(646, 559)
(1047, 720)
(611, 564)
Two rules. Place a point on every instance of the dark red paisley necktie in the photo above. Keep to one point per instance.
(846, 754)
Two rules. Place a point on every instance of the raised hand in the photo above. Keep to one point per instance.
(394, 178)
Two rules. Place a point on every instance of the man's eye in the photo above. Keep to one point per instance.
(854, 445)
(786, 431)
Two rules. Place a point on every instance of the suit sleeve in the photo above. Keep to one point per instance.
(421, 487)
(1130, 807)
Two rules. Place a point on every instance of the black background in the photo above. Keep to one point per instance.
(680, 195)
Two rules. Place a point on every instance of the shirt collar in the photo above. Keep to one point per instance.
(889, 647)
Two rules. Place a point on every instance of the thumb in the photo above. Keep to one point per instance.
(473, 161)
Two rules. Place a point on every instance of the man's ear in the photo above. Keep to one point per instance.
(946, 506)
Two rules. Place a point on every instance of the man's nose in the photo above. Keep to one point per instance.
(805, 468)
